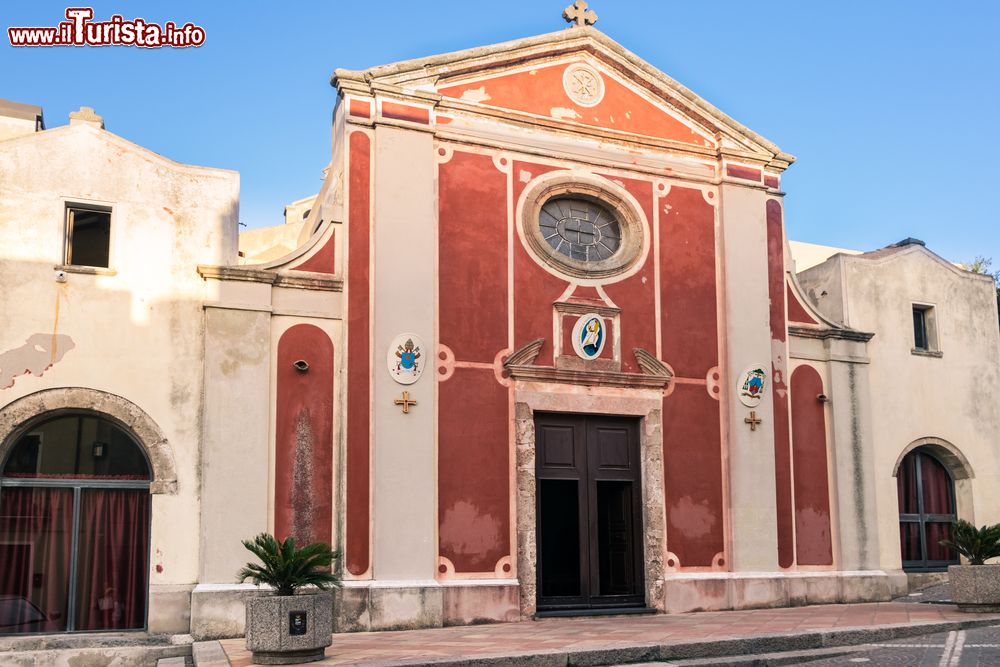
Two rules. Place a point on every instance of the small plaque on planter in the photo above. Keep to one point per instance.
(296, 623)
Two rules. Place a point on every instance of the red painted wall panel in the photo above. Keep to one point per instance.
(324, 261)
(693, 475)
(688, 310)
(361, 108)
(358, 386)
(796, 311)
(746, 173)
(779, 386)
(472, 289)
(535, 289)
(405, 112)
(692, 437)
(636, 295)
(303, 466)
(473, 470)
(813, 541)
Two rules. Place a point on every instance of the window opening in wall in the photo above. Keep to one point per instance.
(88, 236)
(920, 340)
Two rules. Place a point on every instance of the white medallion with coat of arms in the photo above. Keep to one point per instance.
(751, 386)
(406, 358)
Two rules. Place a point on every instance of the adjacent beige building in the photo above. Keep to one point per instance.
(934, 376)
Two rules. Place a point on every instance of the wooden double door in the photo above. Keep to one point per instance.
(589, 512)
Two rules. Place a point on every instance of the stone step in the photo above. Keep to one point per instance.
(209, 654)
(99, 649)
(178, 661)
(118, 656)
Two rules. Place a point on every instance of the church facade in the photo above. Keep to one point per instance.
(540, 349)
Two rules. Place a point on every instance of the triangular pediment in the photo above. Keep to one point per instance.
(534, 78)
(579, 89)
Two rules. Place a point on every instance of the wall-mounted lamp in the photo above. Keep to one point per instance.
(822, 398)
(301, 365)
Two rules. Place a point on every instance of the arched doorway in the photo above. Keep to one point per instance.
(74, 527)
(926, 494)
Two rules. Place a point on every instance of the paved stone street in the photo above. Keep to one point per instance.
(607, 640)
(978, 647)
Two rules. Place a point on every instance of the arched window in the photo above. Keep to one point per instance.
(74, 527)
(926, 493)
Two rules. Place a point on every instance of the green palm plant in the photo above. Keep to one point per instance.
(978, 545)
(286, 567)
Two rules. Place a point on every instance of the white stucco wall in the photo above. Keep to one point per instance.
(807, 255)
(748, 341)
(954, 397)
(137, 330)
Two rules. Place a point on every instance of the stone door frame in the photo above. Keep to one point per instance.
(647, 405)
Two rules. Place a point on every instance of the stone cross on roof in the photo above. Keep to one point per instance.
(579, 15)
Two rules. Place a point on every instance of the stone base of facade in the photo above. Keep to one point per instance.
(217, 610)
(170, 609)
(755, 590)
(386, 605)
(919, 580)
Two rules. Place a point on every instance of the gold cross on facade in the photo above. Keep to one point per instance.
(753, 420)
(579, 15)
(406, 402)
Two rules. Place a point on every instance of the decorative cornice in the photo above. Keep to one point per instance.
(525, 120)
(650, 365)
(585, 308)
(297, 280)
(310, 280)
(409, 94)
(587, 378)
(519, 367)
(823, 334)
(525, 355)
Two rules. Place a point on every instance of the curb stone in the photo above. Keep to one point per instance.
(764, 659)
(759, 646)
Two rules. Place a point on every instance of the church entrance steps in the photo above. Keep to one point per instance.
(560, 642)
(106, 649)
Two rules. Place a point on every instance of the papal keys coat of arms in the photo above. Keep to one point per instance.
(405, 358)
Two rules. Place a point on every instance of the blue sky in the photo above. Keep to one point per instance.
(887, 105)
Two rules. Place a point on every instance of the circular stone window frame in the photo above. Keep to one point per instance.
(635, 242)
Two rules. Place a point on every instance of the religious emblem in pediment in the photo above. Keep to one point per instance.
(583, 84)
(405, 358)
(752, 384)
(589, 336)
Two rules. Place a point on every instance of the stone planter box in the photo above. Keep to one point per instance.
(289, 629)
(975, 587)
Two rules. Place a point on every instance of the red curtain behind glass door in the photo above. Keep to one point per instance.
(36, 528)
(112, 565)
(938, 499)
